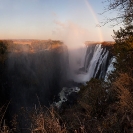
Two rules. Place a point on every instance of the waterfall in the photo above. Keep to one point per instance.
(87, 62)
(44, 72)
(93, 63)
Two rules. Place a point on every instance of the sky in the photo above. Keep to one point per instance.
(54, 19)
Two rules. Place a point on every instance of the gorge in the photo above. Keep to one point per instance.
(42, 72)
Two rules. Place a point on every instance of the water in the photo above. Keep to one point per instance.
(87, 63)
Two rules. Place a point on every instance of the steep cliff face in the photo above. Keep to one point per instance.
(42, 68)
(91, 63)
(34, 74)
(4, 87)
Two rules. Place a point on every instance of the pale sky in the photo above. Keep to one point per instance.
(53, 19)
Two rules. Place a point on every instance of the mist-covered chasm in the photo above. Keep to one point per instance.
(43, 72)
(36, 73)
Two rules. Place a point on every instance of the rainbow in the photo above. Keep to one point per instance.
(95, 19)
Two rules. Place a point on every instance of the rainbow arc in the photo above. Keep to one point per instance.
(95, 19)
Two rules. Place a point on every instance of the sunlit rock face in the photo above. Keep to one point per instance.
(36, 73)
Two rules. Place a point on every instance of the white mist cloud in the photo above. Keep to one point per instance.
(71, 34)
(74, 36)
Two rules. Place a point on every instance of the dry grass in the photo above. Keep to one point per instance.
(3, 127)
(93, 113)
(39, 120)
(124, 88)
(46, 122)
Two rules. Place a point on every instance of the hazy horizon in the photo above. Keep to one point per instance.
(55, 20)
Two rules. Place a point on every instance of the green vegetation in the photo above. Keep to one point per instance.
(124, 49)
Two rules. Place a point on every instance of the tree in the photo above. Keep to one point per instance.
(123, 49)
(124, 35)
(124, 9)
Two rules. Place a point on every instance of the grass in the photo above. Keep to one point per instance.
(3, 127)
(96, 111)
(46, 122)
